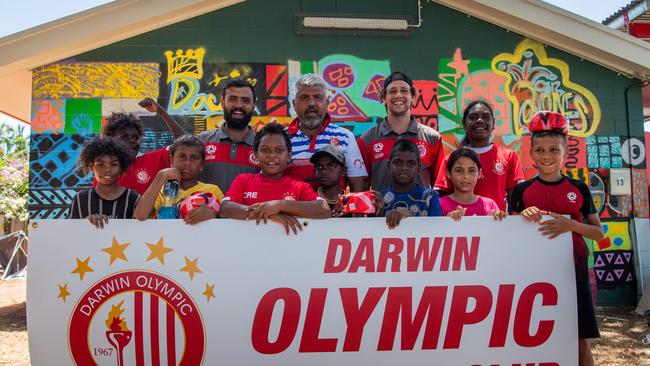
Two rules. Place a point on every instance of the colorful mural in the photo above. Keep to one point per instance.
(536, 82)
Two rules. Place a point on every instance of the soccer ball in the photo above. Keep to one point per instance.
(195, 199)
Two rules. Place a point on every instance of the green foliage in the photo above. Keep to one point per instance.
(14, 169)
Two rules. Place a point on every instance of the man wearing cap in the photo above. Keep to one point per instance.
(229, 148)
(375, 144)
(312, 130)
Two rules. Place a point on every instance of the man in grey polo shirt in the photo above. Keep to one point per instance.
(229, 148)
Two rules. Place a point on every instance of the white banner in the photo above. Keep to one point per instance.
(342, 292)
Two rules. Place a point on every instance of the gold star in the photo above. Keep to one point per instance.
(158, 250)
(116, 250)
(191, 267)
(209, 291)
(82, 268)
(63, 292)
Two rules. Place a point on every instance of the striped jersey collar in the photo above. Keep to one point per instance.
(294, 127)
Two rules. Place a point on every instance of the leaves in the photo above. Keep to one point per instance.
(14, 171)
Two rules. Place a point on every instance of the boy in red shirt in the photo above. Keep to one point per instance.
(551, 193)
(271, 195)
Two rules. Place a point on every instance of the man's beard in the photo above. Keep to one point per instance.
(312, 122)
(236, 123)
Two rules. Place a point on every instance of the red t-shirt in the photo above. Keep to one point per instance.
(143, 169)
(248, 189)
(482, 207)
(501, 171)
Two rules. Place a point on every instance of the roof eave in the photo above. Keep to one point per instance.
(550, 25)
(94, 28)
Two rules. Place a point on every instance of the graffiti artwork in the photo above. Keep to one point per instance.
(536, 82)
(95, 80)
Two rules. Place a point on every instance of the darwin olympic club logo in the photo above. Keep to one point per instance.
(136, 317)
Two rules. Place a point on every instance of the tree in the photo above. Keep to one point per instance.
(14, 168)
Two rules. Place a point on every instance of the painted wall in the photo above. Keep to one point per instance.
(453, 58)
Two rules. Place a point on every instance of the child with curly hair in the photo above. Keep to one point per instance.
(107, 159)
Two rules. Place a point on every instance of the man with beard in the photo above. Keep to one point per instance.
(312, 130)
(229, 148)
(376, 143)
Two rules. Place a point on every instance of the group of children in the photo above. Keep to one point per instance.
(477, 178)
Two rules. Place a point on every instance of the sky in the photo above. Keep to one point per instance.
(19, 15)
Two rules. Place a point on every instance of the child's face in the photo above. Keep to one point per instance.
(187, 159)
(273, 155)
(131, 138)
(106, 169)
(479, 123)
(464, 175)
(548, 153)
(328, 172)
(404, 167)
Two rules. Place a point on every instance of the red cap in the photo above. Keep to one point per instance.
(549, 121)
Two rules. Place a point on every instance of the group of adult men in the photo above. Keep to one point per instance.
(229, 148)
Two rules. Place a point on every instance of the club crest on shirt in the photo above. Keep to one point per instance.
(288, 196)
(499, 167)
(378, 148)
(572, 196)
(335, 141)
(142, 176)
(423, 148)
(210, 149)
(253, 159)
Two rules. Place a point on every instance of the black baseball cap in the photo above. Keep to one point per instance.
(397, 75)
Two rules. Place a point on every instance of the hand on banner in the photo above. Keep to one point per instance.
(98, 220)
(263, 211)
(457, 214)
(200, 213)
(555, 226)
(378, 202)
(288, 221)
(498, 215)
(394, 217)
(533, 214)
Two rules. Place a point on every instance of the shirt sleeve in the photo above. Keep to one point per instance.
(515, 173)
(217, 193)
(73, 211)
(516, 204)
(363, 149)
(437, 157)
(442, 183)
(434, 204)
(353, 158)
(588, 207)
(306, 193)
(490, 205)
(236, 191)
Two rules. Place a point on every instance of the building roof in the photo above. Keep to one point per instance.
(122, 19)
(623, 10)
(94, 28)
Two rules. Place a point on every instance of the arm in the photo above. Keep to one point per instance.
(146, 204)
(316, 209)
(152, 106)
(357, 184)
(233, 210)
(560, 224)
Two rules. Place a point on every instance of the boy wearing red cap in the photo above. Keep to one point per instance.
(551, 193)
